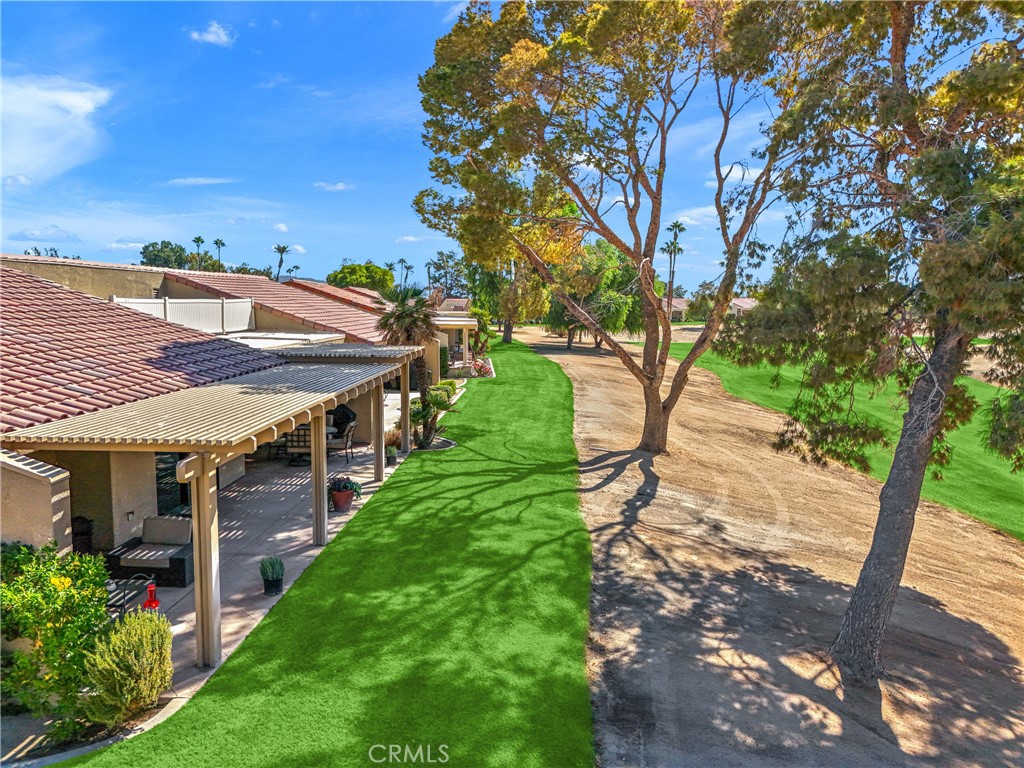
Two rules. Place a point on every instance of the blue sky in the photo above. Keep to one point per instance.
(258, 123)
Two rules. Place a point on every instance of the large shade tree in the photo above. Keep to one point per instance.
(604, 283)
(912, 175)
(365, 275)
(447, 271)
(553, 124)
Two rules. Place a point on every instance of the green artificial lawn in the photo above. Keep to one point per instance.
(976, 481)
(452, 610)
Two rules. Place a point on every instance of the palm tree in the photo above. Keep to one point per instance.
(281, 251)
(218, 244)
(405, 269)
(409, 321)
(198, 240)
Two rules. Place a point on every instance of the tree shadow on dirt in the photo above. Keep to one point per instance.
(712, 654)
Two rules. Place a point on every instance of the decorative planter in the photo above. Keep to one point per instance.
(391, 460)
(273, 586)
(342, 500)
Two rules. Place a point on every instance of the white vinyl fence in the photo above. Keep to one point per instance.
(210, 315)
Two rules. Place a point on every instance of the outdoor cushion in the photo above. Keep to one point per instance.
(149, 556)
(166, 530)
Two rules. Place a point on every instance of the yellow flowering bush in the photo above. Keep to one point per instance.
(59, 604)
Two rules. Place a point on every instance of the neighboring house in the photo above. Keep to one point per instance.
(365, 299)
(66, 354)
(115, 416)
(454, 305)
(676, 308)
(741, 305)
(453, 328)
(274, 307)
(278, 306)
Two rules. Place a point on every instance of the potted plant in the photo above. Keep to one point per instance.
(272, 571)
(390, 455)
(343, 491)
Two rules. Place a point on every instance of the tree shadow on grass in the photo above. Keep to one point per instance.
(713, 654)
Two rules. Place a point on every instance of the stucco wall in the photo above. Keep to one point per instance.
(97, 281)
(132, 492)
(432, 354)
(34, 509)
(114, 490)
(361, 405)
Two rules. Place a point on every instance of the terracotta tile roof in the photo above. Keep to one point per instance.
(312, 310)
(66, 353)
(361, 298)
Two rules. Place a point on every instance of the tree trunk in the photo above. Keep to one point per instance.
(857, 647)
(597, 342)
(506, 334)
(422, 377)
(569, 338)
(654, 438)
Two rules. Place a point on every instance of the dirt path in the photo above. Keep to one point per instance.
(721, 573)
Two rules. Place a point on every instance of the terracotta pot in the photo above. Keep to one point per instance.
(342, 500)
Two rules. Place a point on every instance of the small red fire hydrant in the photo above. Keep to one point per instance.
(151, 603)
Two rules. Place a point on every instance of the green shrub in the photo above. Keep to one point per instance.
(129, 668)
(271, 568)
(447, 384)
(59, 604)
(13, 557)
(444, 361)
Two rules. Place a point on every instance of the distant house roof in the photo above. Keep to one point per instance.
(66, 353)
(742, 302)
(301, 306)
(455, 304)
(676, 303)
(365, 299)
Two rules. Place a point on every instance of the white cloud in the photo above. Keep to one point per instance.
(275, 81)
(734, 174)
(453, 13)
(328, 187)
(281, 227)
(125, 244)
(199, 181)
(49, 126)
(215, 34)
(409, 239)
(697, 217)
(50, 234)
(298, 248)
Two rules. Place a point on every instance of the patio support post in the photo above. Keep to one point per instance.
(318, 454)
(465, 345)
(377, 431)
(405, 407)
(206, 554)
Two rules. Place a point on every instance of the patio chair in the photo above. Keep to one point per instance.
(343, 441)
(299, 446)
(164, 549)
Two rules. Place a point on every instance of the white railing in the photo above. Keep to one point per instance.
(210, 315)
